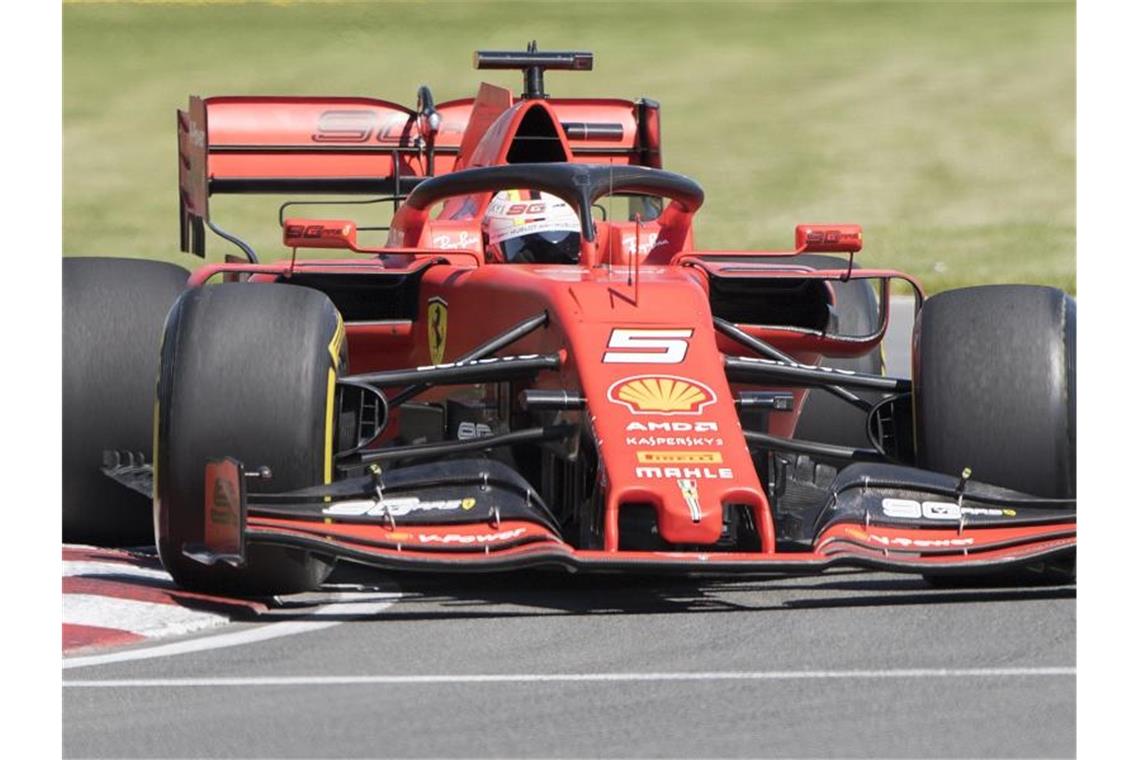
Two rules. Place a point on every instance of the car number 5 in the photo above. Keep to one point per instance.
(633, 346)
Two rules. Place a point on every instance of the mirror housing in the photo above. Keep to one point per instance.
(321, 233)
(829, 238)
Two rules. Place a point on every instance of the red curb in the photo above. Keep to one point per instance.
(79, 636)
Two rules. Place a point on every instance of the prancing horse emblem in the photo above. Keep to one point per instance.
(437, 328)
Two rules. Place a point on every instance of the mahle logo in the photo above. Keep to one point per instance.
(661, 394)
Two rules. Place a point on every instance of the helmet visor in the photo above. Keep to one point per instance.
(552, 247)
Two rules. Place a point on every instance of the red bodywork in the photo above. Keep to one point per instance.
(632, 324)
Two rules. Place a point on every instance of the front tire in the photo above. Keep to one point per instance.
(995, 387)
(248, 371)
(995, 391)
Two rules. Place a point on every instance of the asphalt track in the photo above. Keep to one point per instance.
(848, 664)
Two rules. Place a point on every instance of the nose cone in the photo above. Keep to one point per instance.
(662, 412)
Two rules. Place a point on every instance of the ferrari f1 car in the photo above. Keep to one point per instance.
(620, 400)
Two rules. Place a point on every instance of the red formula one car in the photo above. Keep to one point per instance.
(539, 367)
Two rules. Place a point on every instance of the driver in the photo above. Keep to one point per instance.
(531, 227)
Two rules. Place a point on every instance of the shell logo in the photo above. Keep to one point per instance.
(661, 394)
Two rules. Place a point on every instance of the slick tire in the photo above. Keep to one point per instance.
(995, 387)
(995, 390)
(824, 417)
(113, 312)
(248, 372)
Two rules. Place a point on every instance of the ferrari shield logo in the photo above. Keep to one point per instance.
(437, 328)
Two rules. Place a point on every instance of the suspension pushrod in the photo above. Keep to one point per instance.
(524, 328)
(479, 371)
(769, 372)
(419, 450)
(767, 349)
(831, 451)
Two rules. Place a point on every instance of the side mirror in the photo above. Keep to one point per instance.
(829, 238)
(321, 233)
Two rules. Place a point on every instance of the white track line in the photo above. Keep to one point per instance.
(350, 604)
(771, 675)
(143, 618)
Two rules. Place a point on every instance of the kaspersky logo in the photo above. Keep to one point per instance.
(661, 394)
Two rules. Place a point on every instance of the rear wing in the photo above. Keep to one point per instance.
(365, 146)
(298, 145)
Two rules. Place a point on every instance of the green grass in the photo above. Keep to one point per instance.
(946, 129)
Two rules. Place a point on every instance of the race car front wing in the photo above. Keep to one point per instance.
(479, 515)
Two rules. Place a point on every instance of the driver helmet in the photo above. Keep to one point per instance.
(531, 227)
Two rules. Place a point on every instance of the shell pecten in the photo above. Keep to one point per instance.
(662, 394)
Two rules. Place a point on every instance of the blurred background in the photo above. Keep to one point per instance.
(947, 129)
